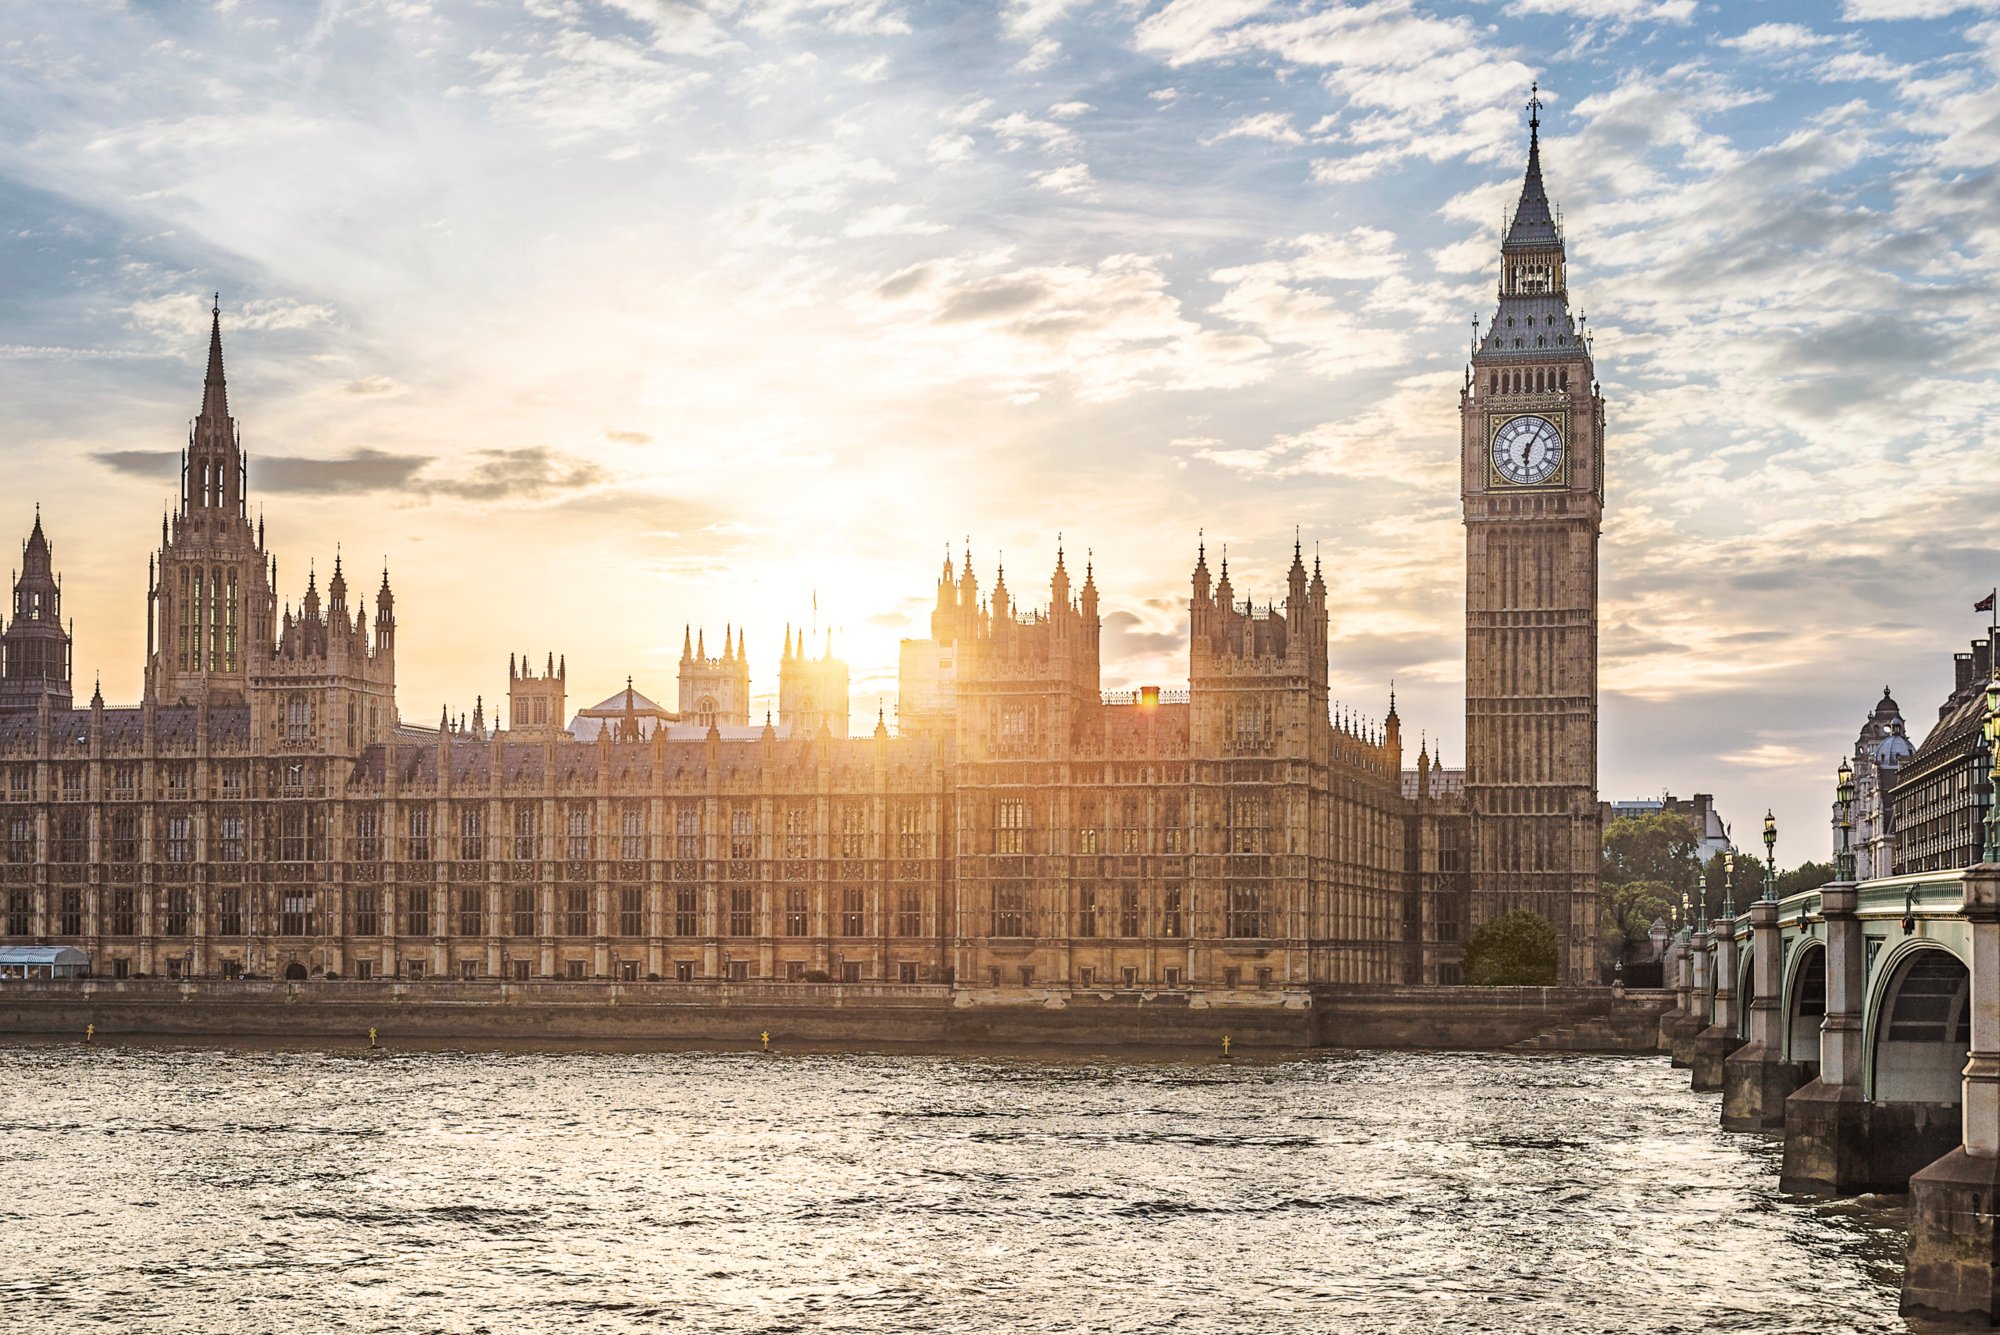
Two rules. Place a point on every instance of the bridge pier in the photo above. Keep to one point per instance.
(1756, 1078)
(1828, 1147)
(1714, 1043)
(1675, 977)
(1695, 1018)
(1953, 1262)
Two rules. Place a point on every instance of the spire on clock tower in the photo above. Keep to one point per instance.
(1534, 224)
(1533, 316)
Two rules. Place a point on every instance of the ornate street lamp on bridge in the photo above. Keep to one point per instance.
(1770, 855)
(1843, 810)
(1728, 884)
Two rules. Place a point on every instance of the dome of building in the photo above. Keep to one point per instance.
(1887, 705)
(1893, 750)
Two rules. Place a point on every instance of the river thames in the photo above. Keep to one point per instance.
(225, 1189)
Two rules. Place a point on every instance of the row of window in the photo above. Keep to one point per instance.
(1013, 821)
(1120, 913)
(464, 913)
(300, 834)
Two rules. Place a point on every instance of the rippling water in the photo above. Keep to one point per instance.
(215, 1189)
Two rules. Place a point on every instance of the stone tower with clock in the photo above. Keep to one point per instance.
(1532, 480)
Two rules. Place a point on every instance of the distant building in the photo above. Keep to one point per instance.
(1712, 833)
(264, 808)
(1939, 798)
(629, 716)
(715, 691)
(812, 692)
(1881, 750)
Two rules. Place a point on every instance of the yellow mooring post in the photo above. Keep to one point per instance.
(766, 1036)
(371, 1035)
(1225, 1045)
(90, 1032)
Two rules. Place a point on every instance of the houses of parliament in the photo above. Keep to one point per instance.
(266, 811)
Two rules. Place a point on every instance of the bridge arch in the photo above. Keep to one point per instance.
(1805, 1002)
(1918, 1026)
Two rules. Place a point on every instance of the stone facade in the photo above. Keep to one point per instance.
(1532, 479)
(1881, 749)
(1939, 793)
(265, 810)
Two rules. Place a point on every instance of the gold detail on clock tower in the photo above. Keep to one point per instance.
(1532, 481)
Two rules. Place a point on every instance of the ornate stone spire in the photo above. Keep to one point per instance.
(1534, 223)
(214, 392)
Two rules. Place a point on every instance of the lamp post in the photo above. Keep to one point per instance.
(1993, 738)
(1701, 906)
(1843, 869)
(1770, 855)
(1687, 914)
(1729, 884)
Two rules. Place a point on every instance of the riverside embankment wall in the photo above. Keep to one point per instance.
(1558, 1019)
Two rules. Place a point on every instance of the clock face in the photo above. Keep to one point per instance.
(1527, 450)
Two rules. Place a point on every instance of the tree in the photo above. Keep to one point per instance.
(1649, 862)
(1626, 914)
(1748, 885)
(1805, 876)
(1516, 949)
(1658, 846)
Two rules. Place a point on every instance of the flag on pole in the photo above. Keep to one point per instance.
(1985, 604)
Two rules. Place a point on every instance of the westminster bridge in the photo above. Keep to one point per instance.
(1862, 1020)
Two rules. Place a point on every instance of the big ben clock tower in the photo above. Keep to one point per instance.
(1532, 479)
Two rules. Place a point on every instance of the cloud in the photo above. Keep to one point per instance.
(1769, 37)
(526, 474)
(495, 475)
(181, 319)
(1072, 178)
(1103, 331)
(1273, 125)
(891, 220)
(1625, 11)
(1860, 11)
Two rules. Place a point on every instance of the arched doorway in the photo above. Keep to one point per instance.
(1923, 1030)
(295, 972)
(1807, 1007)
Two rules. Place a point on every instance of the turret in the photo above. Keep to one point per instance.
(536, 703)
(35, 650)
(385, 619)
(336, 595)
(1295, 583)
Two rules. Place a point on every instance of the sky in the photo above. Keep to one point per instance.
(595, 321)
